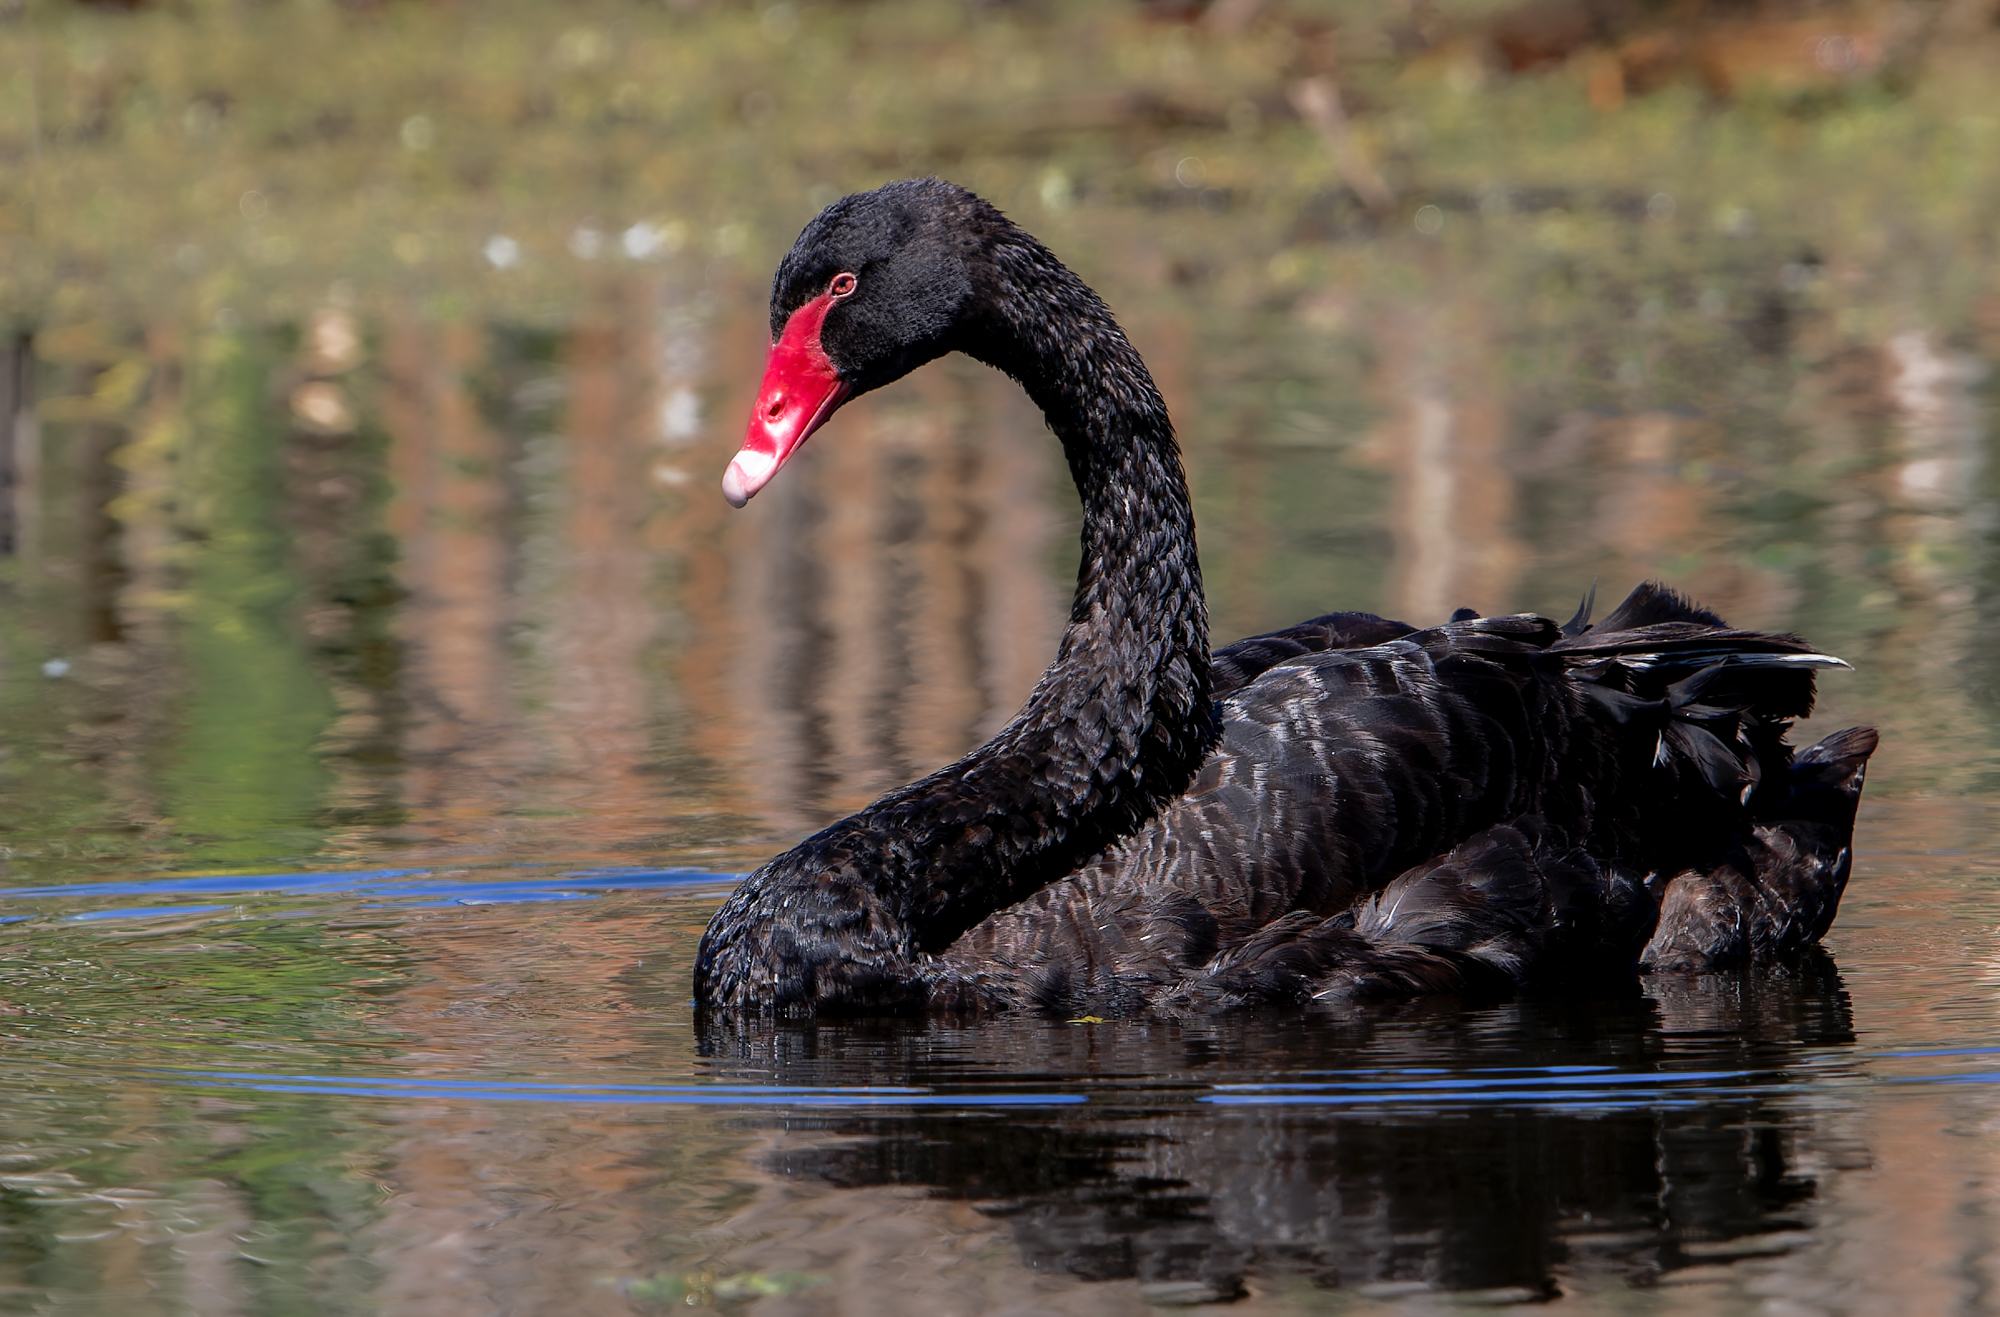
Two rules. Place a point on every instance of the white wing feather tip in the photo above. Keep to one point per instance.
(1690, 658)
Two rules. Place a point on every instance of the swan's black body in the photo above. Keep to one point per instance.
(1159, 827)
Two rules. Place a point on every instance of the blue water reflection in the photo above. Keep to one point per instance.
(383, 882)
(746, 1095)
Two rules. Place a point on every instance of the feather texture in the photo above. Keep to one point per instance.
(1345, 810)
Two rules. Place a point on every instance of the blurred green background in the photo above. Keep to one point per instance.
(183, 160)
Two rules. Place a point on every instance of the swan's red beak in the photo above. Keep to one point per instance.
(801, 389)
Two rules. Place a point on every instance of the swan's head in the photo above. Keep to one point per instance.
(873, 288)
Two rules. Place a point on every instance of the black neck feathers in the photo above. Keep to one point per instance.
(1121, 721)
(1117, 726)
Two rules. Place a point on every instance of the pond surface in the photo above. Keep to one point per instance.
(483, 1091)
(387, 696)
(360, 837)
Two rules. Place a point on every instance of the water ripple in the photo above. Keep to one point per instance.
(765, 1095)
(414, 887)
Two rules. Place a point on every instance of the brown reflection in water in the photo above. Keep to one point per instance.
(461, 746)
(890, 595)
(1921, 517)
(1236, 596)
(1914, 1232)
(20, 447)
(603, 622)
(1908, 1225)
(540, 1206)
(1025, 602)
(1657, 514)
(1939, 442)
(1444, 442)
(697, 534)
(486, 1213)
(1908, 1221)
(1647, 512)
(476, 1195)
(902, 1252)
(532, 705)
(877, 612)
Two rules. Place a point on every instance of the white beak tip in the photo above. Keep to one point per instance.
(734, 487)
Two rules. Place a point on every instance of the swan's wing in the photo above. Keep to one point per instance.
(1340, 770)
(1336, 771)
(1236, 666)
(1502, 908)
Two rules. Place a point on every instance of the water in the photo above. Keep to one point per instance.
(442, 1091)
(387, 696)
(330, 984)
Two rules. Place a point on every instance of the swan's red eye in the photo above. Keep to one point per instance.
(843, 284)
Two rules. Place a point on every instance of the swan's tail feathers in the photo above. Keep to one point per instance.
(1657, 644)
(1708, 704)
(1579, 624)
(1777, 894)
(1494, 913)
(1649, 605)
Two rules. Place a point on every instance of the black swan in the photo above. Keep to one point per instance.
(1350, 809)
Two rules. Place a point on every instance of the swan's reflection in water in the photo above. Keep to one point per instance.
(1512, 1151)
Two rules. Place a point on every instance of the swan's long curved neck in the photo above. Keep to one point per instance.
(1120, 722)
(1117, 726)
(1139, 583)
